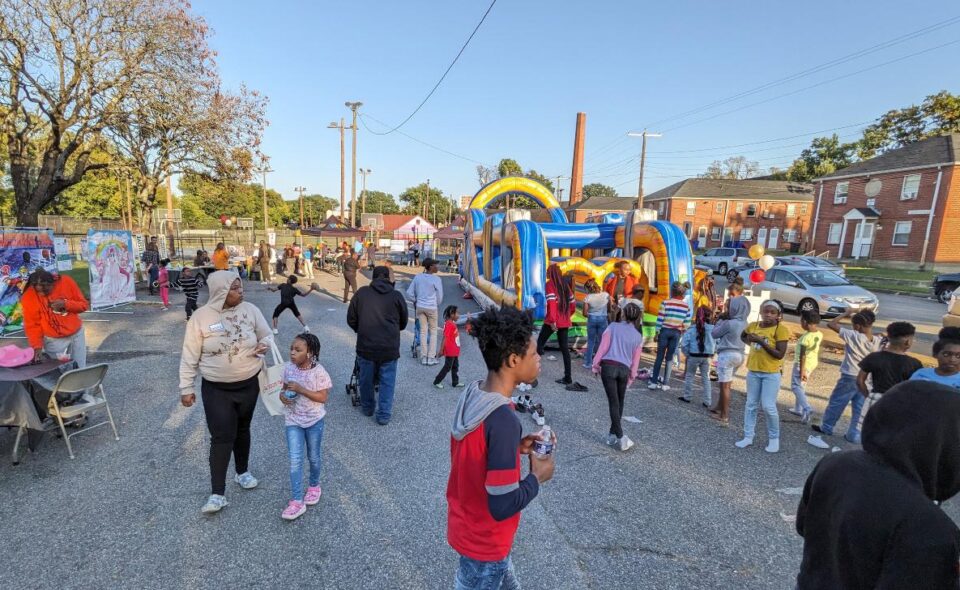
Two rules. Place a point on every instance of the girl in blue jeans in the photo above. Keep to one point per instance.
(308, 384)
(596, 307)
(767, 340)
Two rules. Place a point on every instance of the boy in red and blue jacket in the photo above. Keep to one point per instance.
(485, 492)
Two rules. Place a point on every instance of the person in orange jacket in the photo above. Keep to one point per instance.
(221, 257)
(620, 284)
(51, 307)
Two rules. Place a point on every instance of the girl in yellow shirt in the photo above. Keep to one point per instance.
(767, 340)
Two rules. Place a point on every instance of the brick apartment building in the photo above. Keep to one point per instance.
(716, 212)
(579, 212)
(901, 208)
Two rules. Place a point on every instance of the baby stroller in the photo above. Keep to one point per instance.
(353, 385)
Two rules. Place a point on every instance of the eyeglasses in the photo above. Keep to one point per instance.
(950, 355)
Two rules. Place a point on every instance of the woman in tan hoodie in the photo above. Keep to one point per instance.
(224, 342)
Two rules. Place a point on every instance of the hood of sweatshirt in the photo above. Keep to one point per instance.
(382, 286)
(473, 408)
(739, 309)
(219, 284)
(915, 428)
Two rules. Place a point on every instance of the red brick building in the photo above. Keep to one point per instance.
(715, 212)
(579, 212)
(901, 208)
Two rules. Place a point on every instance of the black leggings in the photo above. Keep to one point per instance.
(614, 376)
(562, 341)
(291, 306)
(229, 409)
(451, 364)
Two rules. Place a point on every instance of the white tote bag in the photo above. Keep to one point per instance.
(271, 382)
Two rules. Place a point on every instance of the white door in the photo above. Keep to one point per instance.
(774, 238)
(702, 237)
(762, 237)
(863, 239)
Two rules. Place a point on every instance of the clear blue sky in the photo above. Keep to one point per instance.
(534, 64)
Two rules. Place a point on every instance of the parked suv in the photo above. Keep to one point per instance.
(720, 260)
(944, 285)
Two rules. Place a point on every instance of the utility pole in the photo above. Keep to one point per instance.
(353, 106)
(342, 173)
(363, 191)
(126, 178)
(300, 190)
(643, 158)
(171, 246)
(426, 201)
(266, 218)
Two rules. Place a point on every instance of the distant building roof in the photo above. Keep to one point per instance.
(396, 221)
(714, 188)
(943, 149)
(605, 204)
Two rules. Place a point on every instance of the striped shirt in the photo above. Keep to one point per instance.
(189, 286)
(674, 315)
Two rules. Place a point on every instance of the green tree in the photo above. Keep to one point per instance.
(598, 190)
(824, 156)
(381, 202)
(540, 178)
(232, 198)
(315, 208)
(439, 207)
(938, 114)
(509, 167)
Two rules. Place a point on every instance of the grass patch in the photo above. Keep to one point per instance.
(81, 274)
(890, 273)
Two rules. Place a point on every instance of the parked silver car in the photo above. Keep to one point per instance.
(814, 261)
(722, 259)
(804, 288)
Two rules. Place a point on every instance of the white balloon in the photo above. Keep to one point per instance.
(766, 262)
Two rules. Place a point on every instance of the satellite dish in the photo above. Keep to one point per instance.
(872, 188)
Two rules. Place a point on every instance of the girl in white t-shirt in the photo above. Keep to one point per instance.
(306, 385)
(596, 306)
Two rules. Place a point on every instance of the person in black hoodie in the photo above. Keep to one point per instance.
(869, 518)
(378, 313)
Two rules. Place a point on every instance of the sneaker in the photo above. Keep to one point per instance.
(433, 361)
(164, 308)
(664, 387)
(625, 443)
(818, 428)
(795, 412)
(215, 503)
(653, 385)
(293, 511)
(744, 443)
(276, 331)
(684, 399)
(423, 361)
(816, 441)
(551, 357)
(246, 481)
(773, 445)
(313, 496)
(806, 416)
(306, 329)
(438, 385)
(611, 440)
(460, 385)
(537, 415)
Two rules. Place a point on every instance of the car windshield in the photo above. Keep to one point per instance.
(822, 278)
(821, 262)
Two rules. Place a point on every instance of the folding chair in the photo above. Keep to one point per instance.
(89, 382)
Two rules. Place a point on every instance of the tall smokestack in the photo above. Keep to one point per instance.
(576, 176)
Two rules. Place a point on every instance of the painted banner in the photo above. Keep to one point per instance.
(64, 259)
(110, 255)
(22, 251)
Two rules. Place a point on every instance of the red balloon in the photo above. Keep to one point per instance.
(757, 276)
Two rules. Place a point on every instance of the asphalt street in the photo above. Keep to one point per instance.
(683, 509)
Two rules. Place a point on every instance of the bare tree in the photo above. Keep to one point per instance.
(486, 175)
(66, 69)
(734, 168)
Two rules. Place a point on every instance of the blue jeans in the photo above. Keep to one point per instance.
(596, 324)
(297, 439)
(385, 374)
(799, 391)
(486, 575)
(667, 343)
(762, 390)
(844, 393)
(693, 364)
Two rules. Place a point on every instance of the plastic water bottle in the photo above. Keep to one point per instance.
(544, 446)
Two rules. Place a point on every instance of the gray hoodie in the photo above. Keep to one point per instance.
(473, 408)
(727, 332)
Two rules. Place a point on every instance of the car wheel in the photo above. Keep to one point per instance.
(807, 305)
(945, 293)
(723, 268)
(732, 275)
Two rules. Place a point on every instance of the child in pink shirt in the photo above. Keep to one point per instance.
(616, 361)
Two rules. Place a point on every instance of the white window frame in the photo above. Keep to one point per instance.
(896, 232)
(834, 238)
(756, 210)
(660, 207)
(715, 233)
(840, 198)
(791, 210)
(803, 209)
(719, 207)
(871, 202)
(691, 208)
(746, 234)
(789, 236)
(740, 207)
(904, 195)
(702, 233)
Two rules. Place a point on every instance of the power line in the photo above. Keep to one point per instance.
(364, 116)
(440, 81)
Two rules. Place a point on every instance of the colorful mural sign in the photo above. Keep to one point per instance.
(111, 259)
(22, 251)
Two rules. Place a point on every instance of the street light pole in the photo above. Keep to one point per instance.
(363, 191)
(300, 190)
(643, 158)
(353, 106)
(266, 217)
(340, 126)
(426, 201)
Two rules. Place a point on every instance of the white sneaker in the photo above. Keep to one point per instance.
(744, 443)
(818, 442)
(423, 361)
(306, 329)
(625, 443)
(215, 503)
(773, 445)
(611, 440)
(246, 481)
(653, 385)
(540, 420)
(664, 387)
(551, 357)
(276, 331)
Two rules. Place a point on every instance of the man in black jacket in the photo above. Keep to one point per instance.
(869, 519)
(378, 313)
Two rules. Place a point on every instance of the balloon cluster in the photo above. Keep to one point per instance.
(764, 262)
(227, 221)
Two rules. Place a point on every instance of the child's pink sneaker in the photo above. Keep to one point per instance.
(294, 510)
(312, 497)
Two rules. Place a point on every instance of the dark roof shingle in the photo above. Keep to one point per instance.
(605, 204)
(943, 149)
(714, 188)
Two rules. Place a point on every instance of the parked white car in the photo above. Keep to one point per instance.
(803, 288)
(720, 260)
